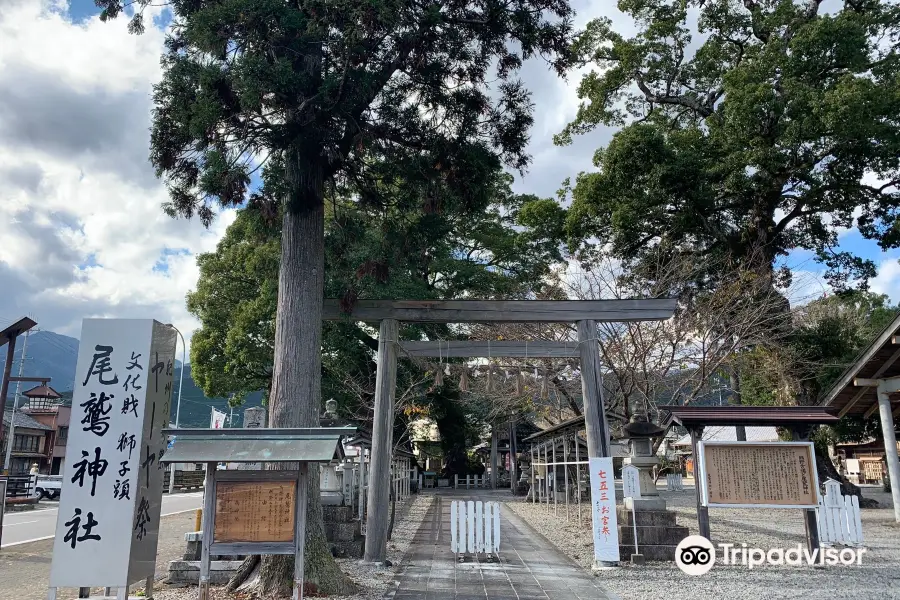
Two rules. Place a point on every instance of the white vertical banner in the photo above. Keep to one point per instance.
(217, 420)
(603, 510)
(109, 509)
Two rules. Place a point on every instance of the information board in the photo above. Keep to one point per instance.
(773, 474)
(111, 499)
(254, 511)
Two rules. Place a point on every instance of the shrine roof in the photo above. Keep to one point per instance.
(878, 361)
(700, 416)
(312, 444)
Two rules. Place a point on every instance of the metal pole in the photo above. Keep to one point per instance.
(12, 418)
(177, 402)
(555, 481)
(566, 471)
(546, 478)
(578, 476)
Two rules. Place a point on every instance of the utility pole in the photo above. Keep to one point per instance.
(12, 418)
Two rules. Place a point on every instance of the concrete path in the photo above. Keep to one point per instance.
(529, 566)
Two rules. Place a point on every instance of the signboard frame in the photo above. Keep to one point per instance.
(704, 489)
(261, 547)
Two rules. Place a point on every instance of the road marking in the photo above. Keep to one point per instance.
(46, 537)
(14, 524)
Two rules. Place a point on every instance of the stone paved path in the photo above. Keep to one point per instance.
(529, 567)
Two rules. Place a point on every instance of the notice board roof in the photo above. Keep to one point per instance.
(878, 361)
(310, 444)
(699, 416)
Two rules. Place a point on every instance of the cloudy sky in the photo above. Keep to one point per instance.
(80, 222)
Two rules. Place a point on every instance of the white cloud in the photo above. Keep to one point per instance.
(83, 234)
(888, 279)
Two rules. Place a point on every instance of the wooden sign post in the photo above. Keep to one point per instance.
(760, 475)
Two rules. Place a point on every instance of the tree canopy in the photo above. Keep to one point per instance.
(746, 129)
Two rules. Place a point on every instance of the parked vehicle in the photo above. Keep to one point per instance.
(48, 487)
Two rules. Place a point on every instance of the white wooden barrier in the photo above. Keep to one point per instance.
(470, 481)
(839, 517)
(674, 482)
(474, 527)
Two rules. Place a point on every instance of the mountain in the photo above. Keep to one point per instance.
(196, 407)
(48, 355)
(53, 355)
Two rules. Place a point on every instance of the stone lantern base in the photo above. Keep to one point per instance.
(657, 532)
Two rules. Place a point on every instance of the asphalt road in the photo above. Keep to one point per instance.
(40, 524)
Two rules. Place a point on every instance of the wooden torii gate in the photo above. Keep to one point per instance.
(585, 313)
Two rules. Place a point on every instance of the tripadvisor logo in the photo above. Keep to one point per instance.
(696, 555)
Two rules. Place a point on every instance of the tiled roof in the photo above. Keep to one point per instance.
(24, 421)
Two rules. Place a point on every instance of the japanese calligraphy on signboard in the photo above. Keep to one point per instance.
(109, 509)
(603, 510)
(254, 511)
(777, 475)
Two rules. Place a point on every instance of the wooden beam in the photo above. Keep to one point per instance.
(500, 349)
(486, 311)
(32, 379)
(884, 367)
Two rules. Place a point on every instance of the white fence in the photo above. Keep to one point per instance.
(839, 518)
(474, 481)
(674, 482)
(474, 527)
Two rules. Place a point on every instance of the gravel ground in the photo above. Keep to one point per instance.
(373, 581)
(878, 577)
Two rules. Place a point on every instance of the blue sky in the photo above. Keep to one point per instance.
(79, 202)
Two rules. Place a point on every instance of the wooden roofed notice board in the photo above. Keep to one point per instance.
(254, 511)
(756, 474)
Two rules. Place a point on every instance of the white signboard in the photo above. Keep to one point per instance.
(603, 510)
(218, 420)
(108, 519)
(631, 483)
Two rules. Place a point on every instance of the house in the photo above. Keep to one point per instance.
(46, 406)
(29, 443)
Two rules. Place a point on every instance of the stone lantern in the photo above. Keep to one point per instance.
(657, 532)
(640, 433)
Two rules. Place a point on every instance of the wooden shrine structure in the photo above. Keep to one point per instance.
(872, 385)
(584, 313)
(255, 511)
(797, 419)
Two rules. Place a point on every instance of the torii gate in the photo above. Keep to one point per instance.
(585, 313)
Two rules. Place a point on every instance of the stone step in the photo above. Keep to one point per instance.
(654, 536)
(188, 571)
(341, 532)
(337, 514)
(655, 553)
(348, 549)
(648, 518)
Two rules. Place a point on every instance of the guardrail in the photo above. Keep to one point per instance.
(19, 486)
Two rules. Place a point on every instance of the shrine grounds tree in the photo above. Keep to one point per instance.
(324, 89)
(748, 129)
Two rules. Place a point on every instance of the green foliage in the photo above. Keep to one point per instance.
(329, 84)
(757, 132)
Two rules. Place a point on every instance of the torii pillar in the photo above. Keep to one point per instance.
(886, 387)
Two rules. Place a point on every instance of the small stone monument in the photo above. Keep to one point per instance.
(656, 531)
